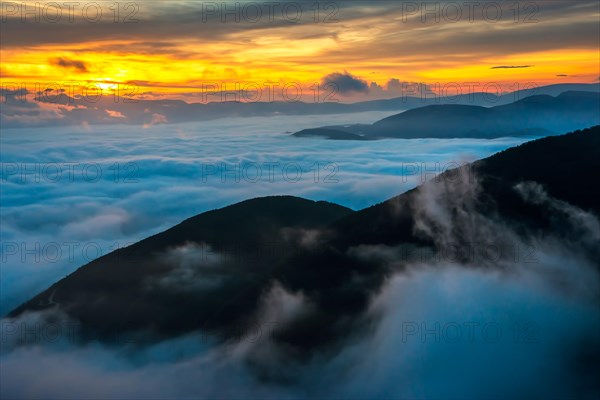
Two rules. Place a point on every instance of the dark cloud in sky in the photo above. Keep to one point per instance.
(511, 66)
(345, 83)
(80, 66)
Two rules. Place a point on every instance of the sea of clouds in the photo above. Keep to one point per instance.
(71, 194)
(525, 328)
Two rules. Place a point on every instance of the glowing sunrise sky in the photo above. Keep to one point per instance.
(176, 47)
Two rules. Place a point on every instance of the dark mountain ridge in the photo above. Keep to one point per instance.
(98, 110)
(537, 115)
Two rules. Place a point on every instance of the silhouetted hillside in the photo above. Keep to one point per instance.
(565, 166)
(538, 115)
(244, 240)
(140, 111)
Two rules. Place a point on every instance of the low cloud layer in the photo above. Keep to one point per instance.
(81, 192)
(439, 329)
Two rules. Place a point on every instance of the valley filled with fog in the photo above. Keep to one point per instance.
(433, 326)
(82, 192)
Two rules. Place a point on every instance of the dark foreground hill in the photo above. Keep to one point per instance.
(538, 115)
(211, 272)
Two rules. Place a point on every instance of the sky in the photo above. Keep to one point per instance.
(366, 50)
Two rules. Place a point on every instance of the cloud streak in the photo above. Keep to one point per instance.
(68, 63)
(511, 66)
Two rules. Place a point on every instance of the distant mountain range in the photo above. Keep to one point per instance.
(210, 272)
(108, 109)
(539, 115)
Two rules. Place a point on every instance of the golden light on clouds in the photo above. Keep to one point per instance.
(368, 42)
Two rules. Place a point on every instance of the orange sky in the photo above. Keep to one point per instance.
(172, 50)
